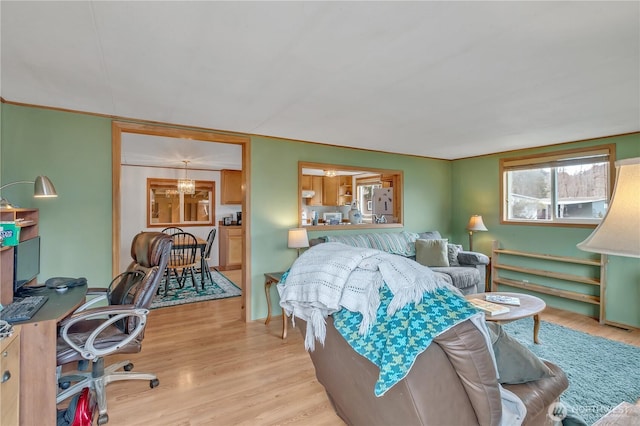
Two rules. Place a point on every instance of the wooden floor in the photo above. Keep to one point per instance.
(215, 369)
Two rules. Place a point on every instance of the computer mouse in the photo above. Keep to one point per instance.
(61, 288)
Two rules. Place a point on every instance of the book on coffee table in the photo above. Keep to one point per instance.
(501, 298)
(489, 308)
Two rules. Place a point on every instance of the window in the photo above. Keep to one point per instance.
(167, 206)
(567, 187)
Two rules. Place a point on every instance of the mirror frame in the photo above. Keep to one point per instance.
(398, 192)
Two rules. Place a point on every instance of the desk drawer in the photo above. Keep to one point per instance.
(10, 378)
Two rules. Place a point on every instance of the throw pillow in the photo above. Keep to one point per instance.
(432, 252)
(452, 253)
(516, 363)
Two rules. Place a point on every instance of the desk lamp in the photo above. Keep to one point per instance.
(298, 239)
(42, 188)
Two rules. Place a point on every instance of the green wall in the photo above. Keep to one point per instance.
(274, 199)
(475, 186)
(74, 150)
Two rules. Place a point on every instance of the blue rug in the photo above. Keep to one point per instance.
(221, 288)
(602, 373)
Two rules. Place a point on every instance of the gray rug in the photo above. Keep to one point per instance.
(602, 373)
(221, 288)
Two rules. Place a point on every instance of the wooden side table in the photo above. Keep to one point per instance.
(271, 278)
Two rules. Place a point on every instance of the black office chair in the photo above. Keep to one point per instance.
(182, 260)
(93, 332)
(205, 268)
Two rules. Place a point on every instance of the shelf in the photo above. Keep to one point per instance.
(501, 263)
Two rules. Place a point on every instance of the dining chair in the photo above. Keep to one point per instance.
(182, 260)
(205, 257)
(172, 230)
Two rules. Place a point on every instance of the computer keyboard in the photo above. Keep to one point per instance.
(22, 308)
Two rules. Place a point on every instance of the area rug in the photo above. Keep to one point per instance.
(602, 373)
(221, 288)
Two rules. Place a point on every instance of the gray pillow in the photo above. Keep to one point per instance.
(452, 253)
(432, 252)
(516, 363)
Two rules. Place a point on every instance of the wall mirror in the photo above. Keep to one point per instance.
(348, 197)
(167, 206)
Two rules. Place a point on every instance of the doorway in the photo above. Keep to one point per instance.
(173, 136)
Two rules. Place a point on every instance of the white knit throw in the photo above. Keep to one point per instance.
(332, 276)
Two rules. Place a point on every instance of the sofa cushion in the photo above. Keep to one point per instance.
(461, 277)
(402, 243)
(516, 363)
(354, 240)
(452, 253)
(430, 235)
(432, 253)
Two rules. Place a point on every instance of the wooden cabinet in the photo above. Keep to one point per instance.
(330, 188)
(230, 247)
(317, 183)
(231, 187)
(345, 191)
(10, 378)
(337, 191)
(27, 220)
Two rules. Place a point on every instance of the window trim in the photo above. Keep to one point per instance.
(552, 159)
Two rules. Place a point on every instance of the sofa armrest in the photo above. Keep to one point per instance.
(472, 258)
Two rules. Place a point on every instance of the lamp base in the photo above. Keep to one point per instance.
(5, 204)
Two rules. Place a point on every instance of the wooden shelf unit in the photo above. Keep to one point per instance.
(27, 220)
(498, 264)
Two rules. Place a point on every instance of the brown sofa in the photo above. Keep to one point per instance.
(453, 383)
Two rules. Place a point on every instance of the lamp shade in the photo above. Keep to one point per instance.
(43, 188)
(619, 231)
(476, 224)
(298, 238)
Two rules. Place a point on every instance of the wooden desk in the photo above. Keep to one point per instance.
(38, 381)
(271, 278)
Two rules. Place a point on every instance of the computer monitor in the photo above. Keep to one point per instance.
(26, 262)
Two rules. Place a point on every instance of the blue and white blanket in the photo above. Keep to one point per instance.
(394, 342)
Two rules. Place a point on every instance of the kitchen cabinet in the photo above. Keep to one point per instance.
(317, 184)
(337, 191)
(231, 186)
(230, 246)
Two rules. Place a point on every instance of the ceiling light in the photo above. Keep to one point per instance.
(186, 185)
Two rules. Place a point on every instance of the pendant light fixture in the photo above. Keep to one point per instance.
(186, 185)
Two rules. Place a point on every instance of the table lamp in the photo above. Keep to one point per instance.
(298, 239)
(619, 231)
(475, 224)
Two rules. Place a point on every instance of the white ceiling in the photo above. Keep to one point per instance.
(437, 79)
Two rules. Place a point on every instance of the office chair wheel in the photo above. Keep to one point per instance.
(128, 367)
(103, 419)
(64, 385)
(154, 383)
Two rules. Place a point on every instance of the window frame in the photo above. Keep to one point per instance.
(553, 159)
(200, 185)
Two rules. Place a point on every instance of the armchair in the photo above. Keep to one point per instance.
(93, 331)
